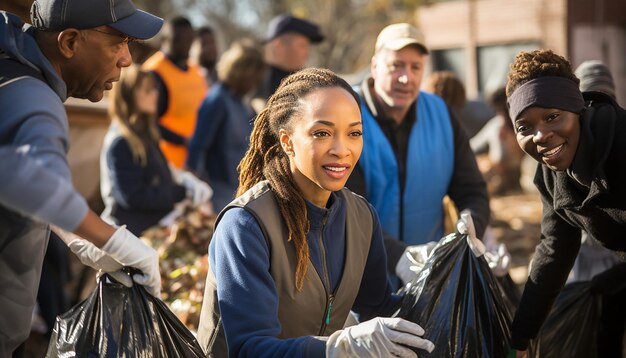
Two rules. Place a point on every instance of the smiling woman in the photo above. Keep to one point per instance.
(307, 248)
(579, 140)
(324, 143)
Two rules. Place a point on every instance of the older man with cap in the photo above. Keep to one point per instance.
(77, 49)
(287, 48)
(414, 152)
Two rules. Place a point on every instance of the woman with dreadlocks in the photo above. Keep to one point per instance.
(295, 252)
(579, 140)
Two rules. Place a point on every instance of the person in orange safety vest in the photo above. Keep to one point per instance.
(181, 89)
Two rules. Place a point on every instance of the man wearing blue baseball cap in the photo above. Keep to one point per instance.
(73, 49)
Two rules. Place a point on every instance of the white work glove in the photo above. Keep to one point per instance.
(93, 257)
(378, 337)
(465, 226)
(412, 260)
(199, 191)
(130, 251)
(499, 260)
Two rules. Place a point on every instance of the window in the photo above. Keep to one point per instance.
(449, 60)
(494, 62)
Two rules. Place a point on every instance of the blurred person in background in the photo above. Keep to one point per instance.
(472, 114)
(595, 76)
(497, 138)
(138, 187)
(207, 53)
(579, 142)
(181, 87)
(593, 258)
(224, 124)
(73, 49)
(287, 50)
(415, 152)
(449, 87)
(296, 251)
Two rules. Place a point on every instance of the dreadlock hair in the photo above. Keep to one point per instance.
(137, 127)
(539, 63)
(265, 159)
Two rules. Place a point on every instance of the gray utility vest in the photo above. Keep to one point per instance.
(313, 311)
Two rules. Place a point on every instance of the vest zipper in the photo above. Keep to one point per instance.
(326, 279)
(329, 308)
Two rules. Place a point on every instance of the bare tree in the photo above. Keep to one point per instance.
(350, 26)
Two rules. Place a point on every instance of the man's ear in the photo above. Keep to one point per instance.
(373, 65)
(68, 42)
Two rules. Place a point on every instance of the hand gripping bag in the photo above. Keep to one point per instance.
(117, 321)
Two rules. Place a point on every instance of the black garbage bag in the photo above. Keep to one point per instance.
(571, 329)
(117, 321)
(459, 303)
(511, 293)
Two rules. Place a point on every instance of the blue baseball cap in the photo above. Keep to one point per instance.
(282, 24)
(122, 15)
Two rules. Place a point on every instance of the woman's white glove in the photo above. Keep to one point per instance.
(378, 337)
(93, 257)
(130, 251)
(199, 191)
(412, 260)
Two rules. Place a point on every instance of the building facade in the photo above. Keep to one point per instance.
(478, 39)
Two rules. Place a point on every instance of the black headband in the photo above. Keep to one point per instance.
(546, 92)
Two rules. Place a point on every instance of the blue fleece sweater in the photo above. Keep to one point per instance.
(247, 297)
(135, 195)
(35, 176)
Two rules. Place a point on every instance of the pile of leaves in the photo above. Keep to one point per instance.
(182, 246)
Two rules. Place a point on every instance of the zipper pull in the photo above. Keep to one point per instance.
(330, 307)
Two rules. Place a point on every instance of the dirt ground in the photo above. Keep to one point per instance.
(516, 222)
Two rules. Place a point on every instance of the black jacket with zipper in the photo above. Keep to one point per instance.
(569, 207)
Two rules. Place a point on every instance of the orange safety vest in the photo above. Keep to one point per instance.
(185, 92)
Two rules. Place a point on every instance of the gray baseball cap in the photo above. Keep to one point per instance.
(122, 15)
